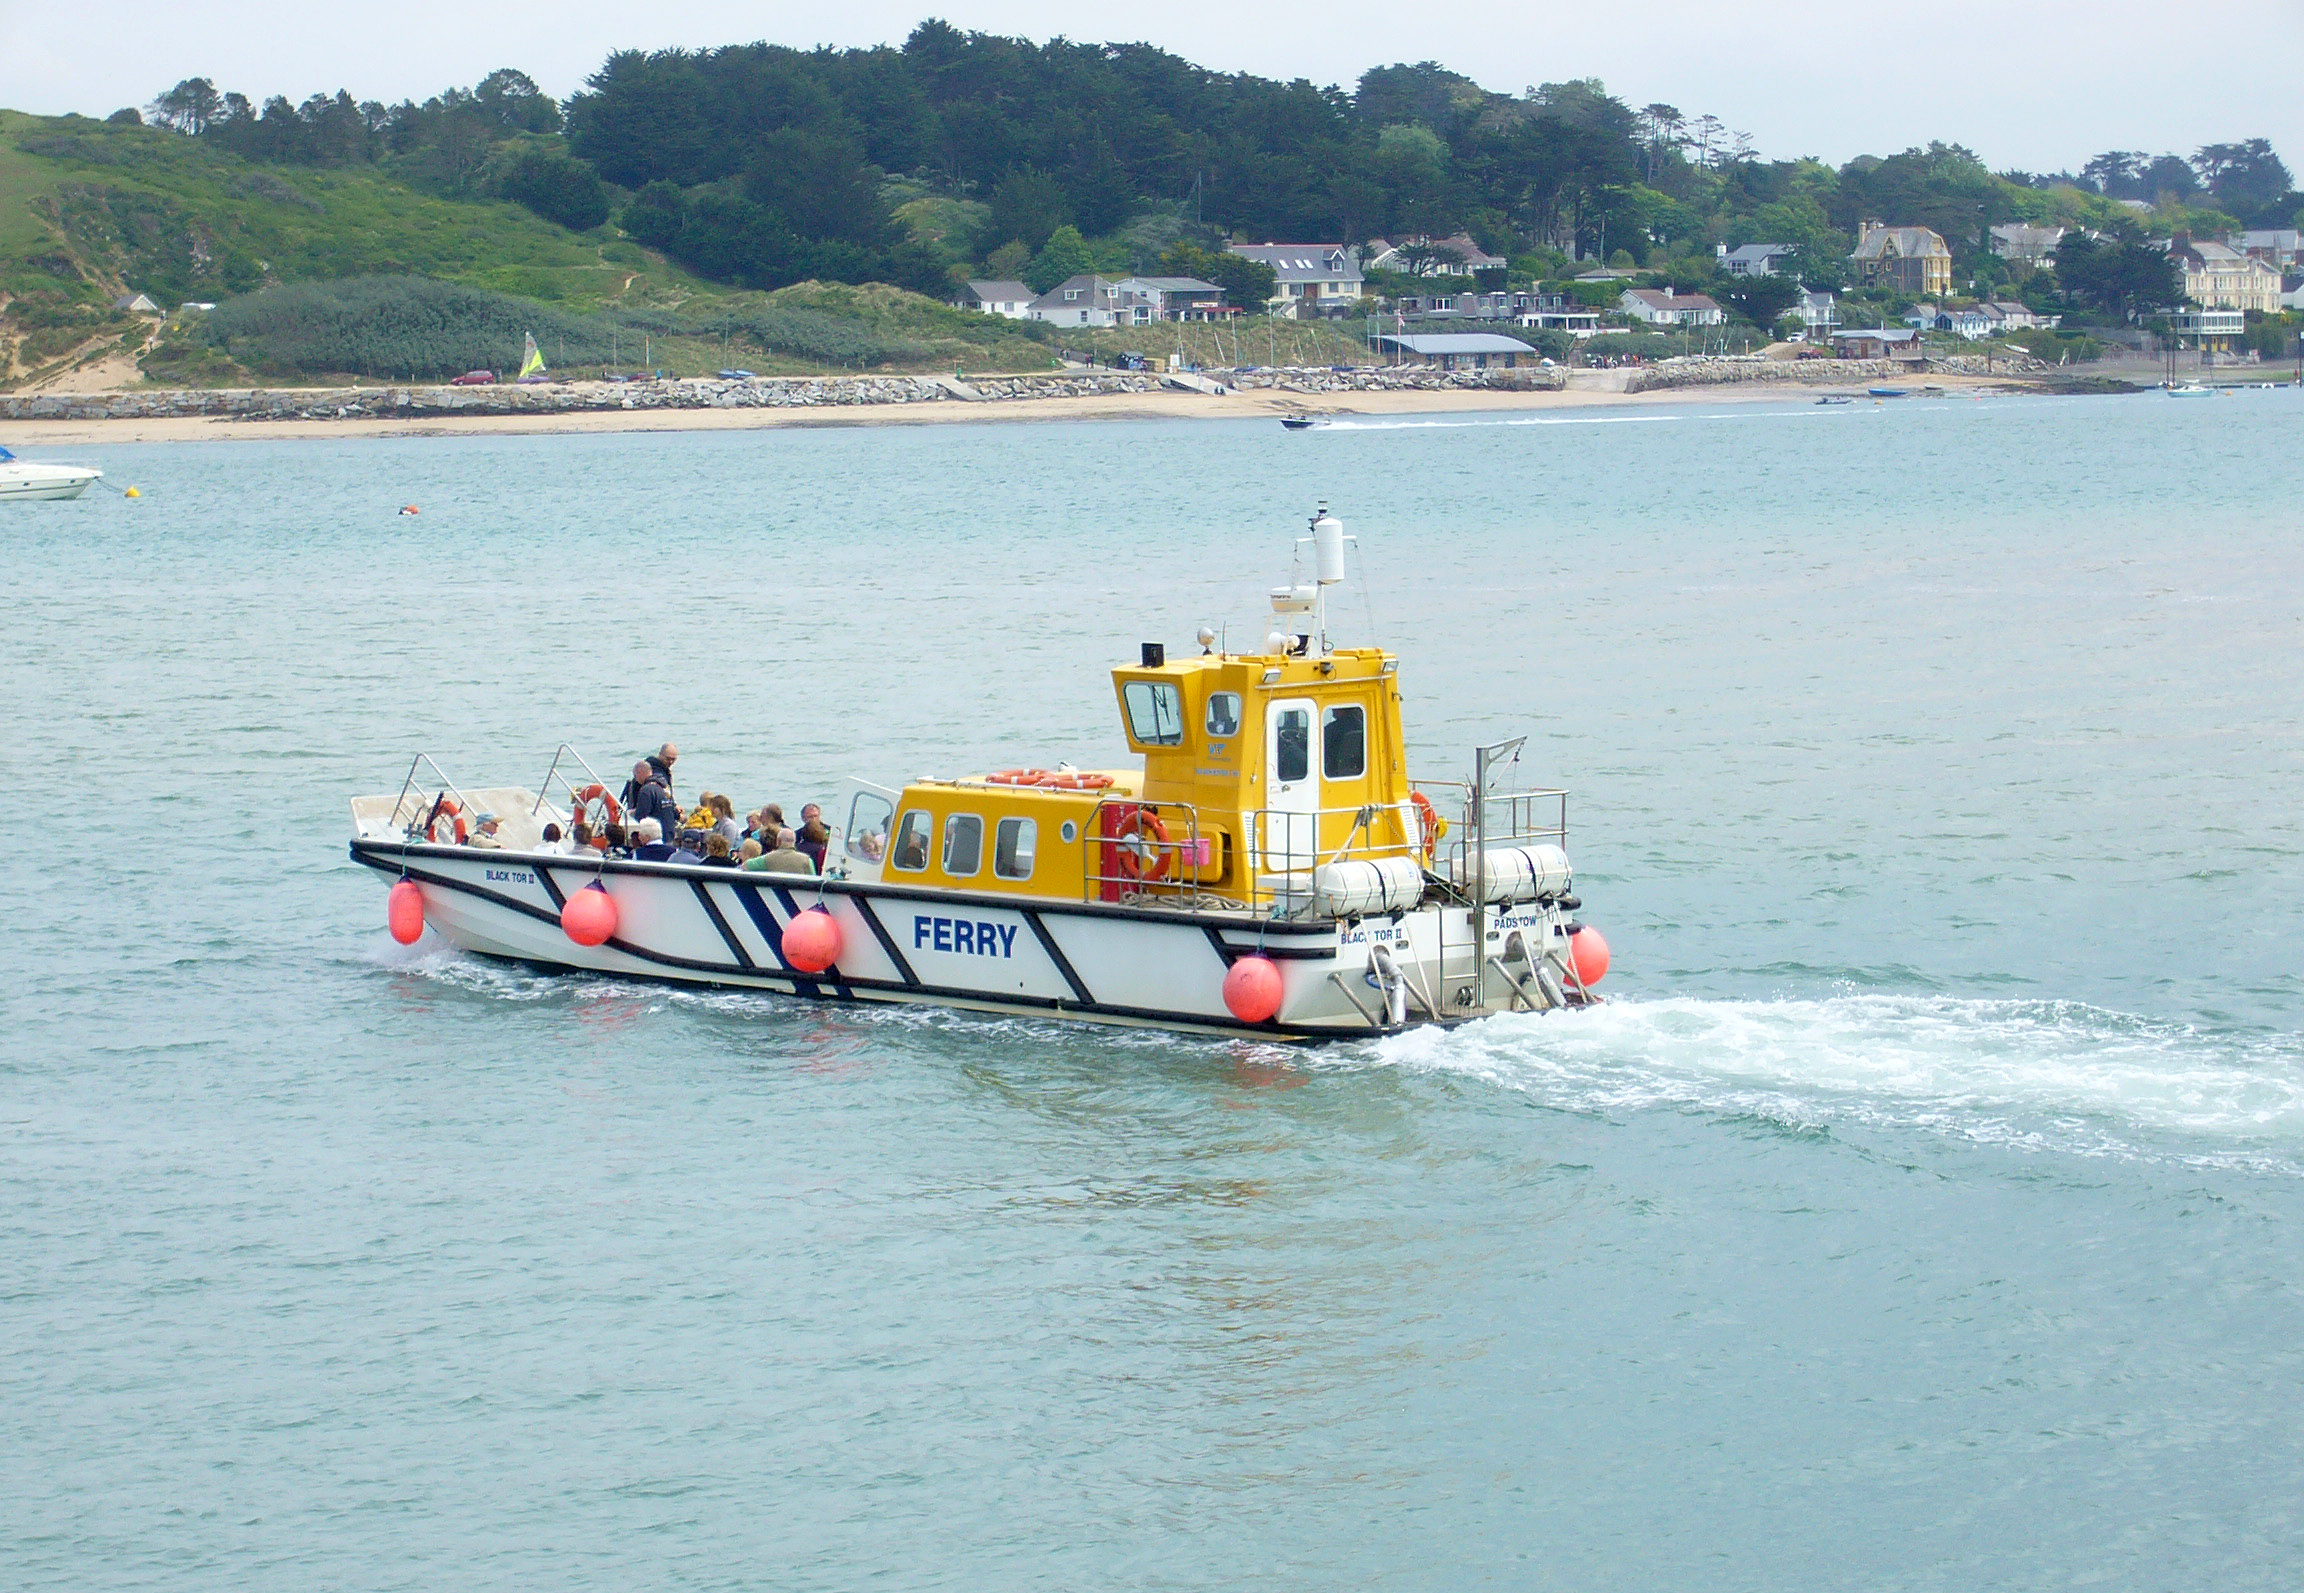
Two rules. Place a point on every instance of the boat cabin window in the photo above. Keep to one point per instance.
(1012, 845)
(910, 853)
(1292, 745)
(868, 817)
(1223, 715)
(963, 845)
(1344, 742)
(1155, 713)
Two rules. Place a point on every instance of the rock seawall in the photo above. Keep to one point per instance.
(771, 392)
(1703, 372)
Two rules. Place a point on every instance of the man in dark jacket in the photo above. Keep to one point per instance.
(647, 797)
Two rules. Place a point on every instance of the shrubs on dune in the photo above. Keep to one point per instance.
(409, 327)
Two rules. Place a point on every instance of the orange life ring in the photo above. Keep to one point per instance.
(596, 792)
(1427, 822)
(1019, 777)
(446, 808)
(1139, 846)
(1078, 782)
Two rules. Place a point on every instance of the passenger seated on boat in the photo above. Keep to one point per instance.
(618, 839)
(914, 841)
(716, 851)
(581, 837)
(785, 859)
(484, 834)
(553, 840)
(815, 835)
(653, 848)
(766, 820)
(748, 851)
(724, 817)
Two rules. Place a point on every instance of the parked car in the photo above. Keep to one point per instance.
(473, 379)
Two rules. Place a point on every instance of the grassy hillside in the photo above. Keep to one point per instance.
(90, 211)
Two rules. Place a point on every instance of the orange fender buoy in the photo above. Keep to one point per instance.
(1252, 989)
(589, 917)
(404, 912)
(812, 941)
(1588, 955)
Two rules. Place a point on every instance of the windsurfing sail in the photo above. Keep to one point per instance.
(531, 362)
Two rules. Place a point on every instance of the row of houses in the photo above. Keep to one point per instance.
(1318, 280)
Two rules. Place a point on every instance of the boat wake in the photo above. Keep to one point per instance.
(2047, 1075)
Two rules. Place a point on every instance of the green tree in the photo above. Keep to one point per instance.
(555, 187)
(1760, 299)
(656, 215)
(1028, 206)
(1065, 256)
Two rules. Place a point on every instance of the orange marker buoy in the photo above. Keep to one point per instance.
(812, 941)
(1252, 989)
(589, 917)
(1588, 955)
(409, 508)
(404, 912)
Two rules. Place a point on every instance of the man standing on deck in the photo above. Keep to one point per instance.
(648, 796)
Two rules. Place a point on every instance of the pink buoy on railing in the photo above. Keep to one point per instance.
(404, 912)
(1588, 955)
(589, 917)
(812, 941)
(1252, 989)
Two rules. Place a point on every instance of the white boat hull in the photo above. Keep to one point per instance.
(1076, 960)
(22, 481)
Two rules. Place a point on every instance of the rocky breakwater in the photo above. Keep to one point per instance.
(1392, 379)
(1712, 371)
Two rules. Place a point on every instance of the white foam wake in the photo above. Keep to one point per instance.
(2054, 1074)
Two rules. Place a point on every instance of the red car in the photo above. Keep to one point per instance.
(473, 379)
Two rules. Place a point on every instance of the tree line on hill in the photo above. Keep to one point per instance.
(968, 153)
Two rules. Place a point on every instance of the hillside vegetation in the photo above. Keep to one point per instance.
(345, 271)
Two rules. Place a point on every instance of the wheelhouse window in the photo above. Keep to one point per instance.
(1344, 742)
(1223, 715)
(1155, 713)
(963, 845)
(1292, 745)
(1013, 841)
(910, 853)
(868, 817)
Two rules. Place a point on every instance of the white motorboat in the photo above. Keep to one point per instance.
(1269, 869)
(20, 478)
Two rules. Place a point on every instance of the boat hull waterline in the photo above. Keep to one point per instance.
(24, 483)
(1091, 961)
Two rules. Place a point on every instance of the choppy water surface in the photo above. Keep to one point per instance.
(1923, 1214)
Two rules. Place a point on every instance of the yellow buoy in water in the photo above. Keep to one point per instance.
(131, 493)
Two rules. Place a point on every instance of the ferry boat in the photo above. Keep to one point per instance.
(1268, 868)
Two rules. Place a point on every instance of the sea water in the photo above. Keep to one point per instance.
(1922, 1213)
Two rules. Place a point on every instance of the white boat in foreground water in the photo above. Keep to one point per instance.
(20, 478)
(1269, 869)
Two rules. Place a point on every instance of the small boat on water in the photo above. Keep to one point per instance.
(1269, 868)
(1303, 422)
(1887, 392)
(1836, 398)
(20, 478)
(2191, 390)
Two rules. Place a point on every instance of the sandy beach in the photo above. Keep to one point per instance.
(1586, 390)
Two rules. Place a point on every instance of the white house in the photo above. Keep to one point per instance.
(1460, 350)
(1756, 259)
(1081, 301)
(2275, 246)
(1011, 299)
(1818, 309)
(1457, 256)
(2034, 245)
(2006, 315)
(1663, 307)
(1144, 300)
(1311, 279)
(136, 304)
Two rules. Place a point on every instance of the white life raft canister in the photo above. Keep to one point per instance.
(1523, 873)
(1351, 890)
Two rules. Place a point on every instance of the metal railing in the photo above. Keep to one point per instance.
(1504, 818)
(567, 783)
(1268, 866)
(422, 810)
